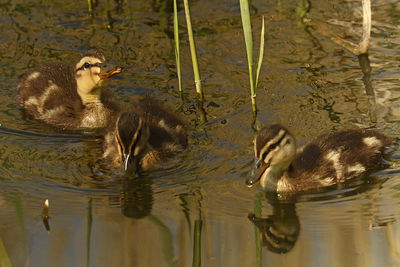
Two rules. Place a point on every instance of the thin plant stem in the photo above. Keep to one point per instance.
(197, 79)
(177, 55)
(90, 7)
(261, 54)
(248, 38)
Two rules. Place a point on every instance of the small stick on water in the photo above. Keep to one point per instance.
(363, 45)
(45, 215)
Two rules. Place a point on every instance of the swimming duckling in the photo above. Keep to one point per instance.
(144, 137)
(68, 96)
(327, 160)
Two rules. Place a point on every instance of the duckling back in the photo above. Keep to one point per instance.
(49, 93)
(335, 157)
(165, 126)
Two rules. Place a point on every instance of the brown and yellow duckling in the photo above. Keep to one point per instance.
(327, 160)
(68, 96)
(144, 137)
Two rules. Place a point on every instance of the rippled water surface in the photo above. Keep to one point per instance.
(196, 209)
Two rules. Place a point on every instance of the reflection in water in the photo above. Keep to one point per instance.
(366, 70)
(279, 231)
(136, 197)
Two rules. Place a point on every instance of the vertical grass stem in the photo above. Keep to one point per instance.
(197, 79)
(177, 55)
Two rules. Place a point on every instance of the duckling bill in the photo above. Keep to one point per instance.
(69, 96)
(327, 160)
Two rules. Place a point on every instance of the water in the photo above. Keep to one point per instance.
(308, 83)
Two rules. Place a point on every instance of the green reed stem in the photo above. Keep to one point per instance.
(90, 7)
(248, 37)
(193, 53)
(261, 54)
(177, 55)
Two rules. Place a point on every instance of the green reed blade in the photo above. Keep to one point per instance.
(261, 54)
(177, 55)
(248, 38)
(90, 8)
(193, 52)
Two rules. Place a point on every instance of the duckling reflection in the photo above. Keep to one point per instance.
(144, 137)
(69, 96)
(136, 197)
(279, 231)
(325, 161)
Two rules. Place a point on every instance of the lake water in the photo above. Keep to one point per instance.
(195, 210)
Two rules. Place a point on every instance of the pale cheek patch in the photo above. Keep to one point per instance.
(372, 141)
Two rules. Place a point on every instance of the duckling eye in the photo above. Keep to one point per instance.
(271, 147)
(86, 65)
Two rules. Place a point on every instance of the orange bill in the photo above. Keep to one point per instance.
(110, 73)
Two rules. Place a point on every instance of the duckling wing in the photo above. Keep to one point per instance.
(49, 93)
(342, 155)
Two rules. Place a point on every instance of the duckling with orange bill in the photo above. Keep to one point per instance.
(69, 96)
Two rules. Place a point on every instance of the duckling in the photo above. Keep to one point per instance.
(69, 96)
(144, 137)
(327, 160)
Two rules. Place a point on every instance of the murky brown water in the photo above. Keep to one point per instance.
(308, 83)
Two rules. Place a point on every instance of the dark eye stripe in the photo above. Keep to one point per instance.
(88, 65)
(272, 146)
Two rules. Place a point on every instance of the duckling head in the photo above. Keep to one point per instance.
(132, 135)
(89, 78)
(274, 149)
